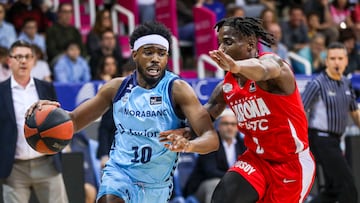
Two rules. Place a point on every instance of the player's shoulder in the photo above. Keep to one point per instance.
(112, 86)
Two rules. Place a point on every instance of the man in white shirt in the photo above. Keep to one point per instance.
(21, 167)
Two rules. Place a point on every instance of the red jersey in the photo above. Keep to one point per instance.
(275, 126)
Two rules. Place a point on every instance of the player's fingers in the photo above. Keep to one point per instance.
(46, 102)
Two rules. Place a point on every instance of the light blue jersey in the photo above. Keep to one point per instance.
(140, 115)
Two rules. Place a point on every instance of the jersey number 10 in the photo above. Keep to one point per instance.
(142, 155)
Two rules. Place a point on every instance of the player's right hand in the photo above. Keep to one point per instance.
(38, 105)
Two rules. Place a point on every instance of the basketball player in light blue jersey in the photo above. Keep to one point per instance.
(149, 101)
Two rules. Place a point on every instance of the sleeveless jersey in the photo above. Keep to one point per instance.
(275, 126)
(140, 115)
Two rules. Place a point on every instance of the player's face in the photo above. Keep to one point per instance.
(21, 61)
(336, 61)
(233, 44)
(151, 61)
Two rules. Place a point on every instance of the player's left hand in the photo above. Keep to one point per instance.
(176, 140)
(223, 60)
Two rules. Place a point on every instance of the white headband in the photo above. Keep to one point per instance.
(151, 39)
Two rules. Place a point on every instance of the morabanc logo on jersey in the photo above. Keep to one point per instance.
(250, 112)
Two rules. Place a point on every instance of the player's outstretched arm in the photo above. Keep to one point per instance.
(268, 67)
(95, 107)
(207, 141)
(88, 111)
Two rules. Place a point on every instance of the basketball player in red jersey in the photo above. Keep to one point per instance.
(261, 90)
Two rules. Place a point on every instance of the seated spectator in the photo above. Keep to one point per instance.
(214, 5)
(146, 10)
(326, 27)
(268, 17)
(41, 69)
(348, 38)
(102, 22)
(340, 12)
(5, 71)
(61, 33)
(210, 168)
(295, 29)
(29, 33)
(314, 53)
(7, 30)
(278, 48)
(313, 23)
(71, 66)
(233, 10)
(108, 47)
(186, 26)
(23, 9)
(107, 69)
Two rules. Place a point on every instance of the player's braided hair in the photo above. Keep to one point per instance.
(247, 27)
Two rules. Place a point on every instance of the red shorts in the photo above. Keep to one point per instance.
(278, 182)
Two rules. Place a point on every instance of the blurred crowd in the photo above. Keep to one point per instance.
(67, 54)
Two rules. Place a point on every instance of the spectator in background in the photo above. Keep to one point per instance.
(146, 10)
(61, 33)
(326, 27)
(314, 53)
(215, 6)
(278, 47)
(7, 30)
(108, 47)
(71, 66)
(29, 33)
(41, 69)
(107, 69)
(328, 100)
(186, 26)
(5, 71)
(102, 22)
(295, 29)
(313, 23)
(341, 14)
(23, 9)
(210, 168)
(233, 10)
(348, 38)
(268, 17)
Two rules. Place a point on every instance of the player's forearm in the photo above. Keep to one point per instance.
(257, 70)
(205, 143)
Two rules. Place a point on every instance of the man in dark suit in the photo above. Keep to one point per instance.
(21, 167)
(210, 168)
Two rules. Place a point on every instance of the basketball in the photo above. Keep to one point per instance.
(48, 131)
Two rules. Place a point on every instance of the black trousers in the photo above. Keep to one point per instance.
(339, 181)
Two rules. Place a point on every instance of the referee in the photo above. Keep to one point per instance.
(328, 99)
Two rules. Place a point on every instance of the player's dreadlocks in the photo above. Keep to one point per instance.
(248, 26)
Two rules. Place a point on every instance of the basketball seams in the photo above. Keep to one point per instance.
(58, 131)
(40, 116)
(53, 118)
(48, 131)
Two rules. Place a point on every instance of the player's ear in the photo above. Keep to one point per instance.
(251, 45)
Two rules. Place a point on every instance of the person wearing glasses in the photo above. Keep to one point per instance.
(21, 168)
(210, 168)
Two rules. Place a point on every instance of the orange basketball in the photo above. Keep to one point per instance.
(48, 131)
